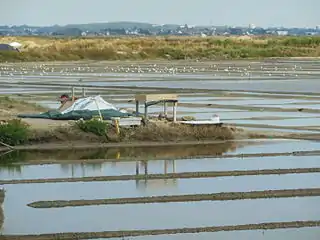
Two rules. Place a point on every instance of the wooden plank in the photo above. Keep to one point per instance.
(133, 121)
(155, 97)
(202, 122)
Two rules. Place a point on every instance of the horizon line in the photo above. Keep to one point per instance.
(111, 22)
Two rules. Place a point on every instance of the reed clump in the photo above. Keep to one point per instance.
(170, 48)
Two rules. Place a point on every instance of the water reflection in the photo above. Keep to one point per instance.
(98, 156)
(160, 183)
(82, 168)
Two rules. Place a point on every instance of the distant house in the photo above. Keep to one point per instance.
(7, 47)
(282, 33)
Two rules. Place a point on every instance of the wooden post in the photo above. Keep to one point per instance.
(146, 111)
(83, 92)
(137, 167)
(173, 166)
(146, 168)
(174, 111)
(165, 109)
(165, 166)
(116, 123)
(100, 115)
(137, 108)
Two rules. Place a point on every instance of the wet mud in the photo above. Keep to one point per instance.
(153, 232)
(223, 196)
(183, 175)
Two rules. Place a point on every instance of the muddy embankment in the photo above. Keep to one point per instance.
(183, 175)
(153, 232)
(224, 196)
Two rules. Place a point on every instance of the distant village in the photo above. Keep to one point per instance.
(145, 29)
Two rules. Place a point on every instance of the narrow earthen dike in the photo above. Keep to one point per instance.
(135, 233)
(182, 175)
(223, 196)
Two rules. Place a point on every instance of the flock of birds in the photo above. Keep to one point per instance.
(214, 69)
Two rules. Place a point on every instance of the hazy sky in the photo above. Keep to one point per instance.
(300, 13)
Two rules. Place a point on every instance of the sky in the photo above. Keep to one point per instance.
(264, 13)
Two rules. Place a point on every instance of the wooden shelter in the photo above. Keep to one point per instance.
(153, 99)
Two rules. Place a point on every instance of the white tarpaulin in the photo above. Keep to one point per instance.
(91, 104)
(15, 45)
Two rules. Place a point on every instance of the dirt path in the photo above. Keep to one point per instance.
(183, 175)
(224, 196)
(153, 232)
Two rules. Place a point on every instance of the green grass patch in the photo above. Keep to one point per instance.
(95, 126)
(14, 132)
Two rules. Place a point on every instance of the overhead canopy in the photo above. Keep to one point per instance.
(89, 103)
(15, 44)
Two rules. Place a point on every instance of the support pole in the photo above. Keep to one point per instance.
(137, 167)
(137, 108)
(146, 168)
(175, 112)
(83, 92)
(165, 166)
(173, 166)
(116, 124)
(146, 111)
(100, 115)
(165, 109)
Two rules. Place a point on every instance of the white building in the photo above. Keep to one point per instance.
(252, 26)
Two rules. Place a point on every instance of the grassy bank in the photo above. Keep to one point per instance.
(222, 196)
(174, 48)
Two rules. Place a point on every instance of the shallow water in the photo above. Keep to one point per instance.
(284, 106)
(296, 85)
(154, 216)
(275, 129)
(156, 166)
(143, 188)
(235, 116)
(254, 102)
(274, 146)
(21, 219)
(285, 122)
